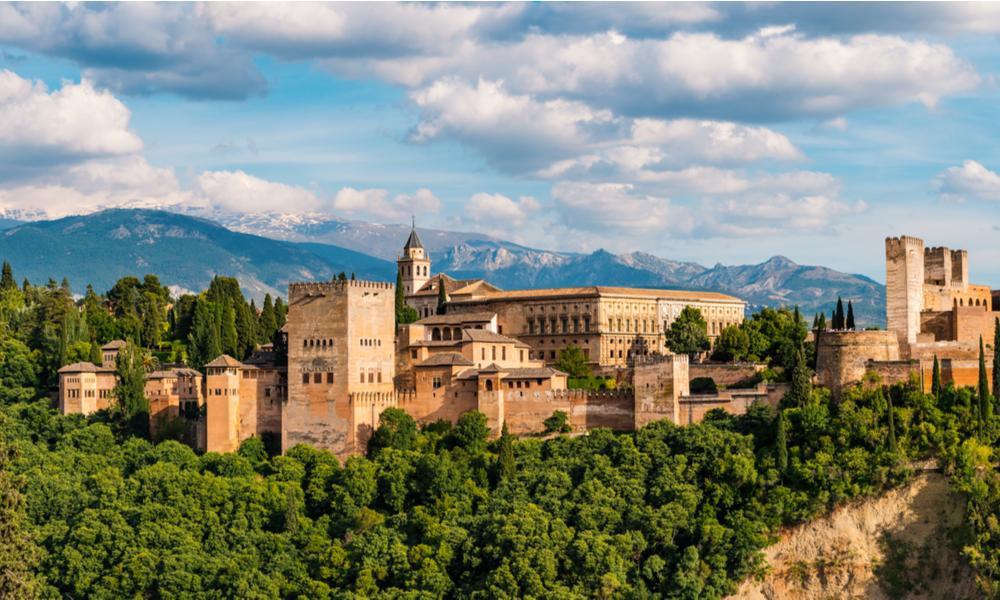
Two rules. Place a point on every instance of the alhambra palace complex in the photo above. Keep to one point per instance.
(492, 351)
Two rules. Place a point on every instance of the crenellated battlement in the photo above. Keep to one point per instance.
(326, 288)
(902, 243)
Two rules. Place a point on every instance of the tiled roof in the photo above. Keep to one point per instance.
(114, 345)
(450, 285)
(445, 359)
(594, 291)
(413, 241)
(457, 318)
(79, 367)
(485, 335)
(532, 373)
(225, 361)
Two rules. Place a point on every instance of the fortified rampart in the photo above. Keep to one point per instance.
(842, 357)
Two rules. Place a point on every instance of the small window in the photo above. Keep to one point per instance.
(329, 377)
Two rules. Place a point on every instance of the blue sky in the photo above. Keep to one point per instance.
(705, 132)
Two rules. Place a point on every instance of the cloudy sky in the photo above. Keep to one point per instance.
(715, 133)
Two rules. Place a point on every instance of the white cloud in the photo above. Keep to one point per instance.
(135, 47)
(970, 181)
(552, 138)
(499, 211)
(616, 208)
(775, 76)
(236, 192)
(377, 203)
(72, 123)
(778, 214)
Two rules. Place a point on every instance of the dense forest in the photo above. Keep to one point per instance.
(89, 509)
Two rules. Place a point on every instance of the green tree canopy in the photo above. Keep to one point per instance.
(688, 334)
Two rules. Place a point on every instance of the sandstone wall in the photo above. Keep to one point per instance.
(904, 286)
(842, 356)
(725, 374)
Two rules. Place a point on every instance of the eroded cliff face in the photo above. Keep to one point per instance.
(904, 544)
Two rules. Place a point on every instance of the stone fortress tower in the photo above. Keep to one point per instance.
(414, 265)
(341, 360)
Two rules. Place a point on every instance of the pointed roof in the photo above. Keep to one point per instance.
(414, 240)
(224, 361)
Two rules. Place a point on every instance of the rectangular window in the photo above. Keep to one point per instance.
(362, 376)
(329, 377)
(413, 353)
(437, 382)
(305, 378)
(503, 351)
(317, 378)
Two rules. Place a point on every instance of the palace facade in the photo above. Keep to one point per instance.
(612, 325)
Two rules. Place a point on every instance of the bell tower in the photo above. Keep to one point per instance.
(414, 264)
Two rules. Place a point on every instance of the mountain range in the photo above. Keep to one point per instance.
(267, 251)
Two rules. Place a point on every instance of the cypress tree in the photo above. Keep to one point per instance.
(850, 316)
(800, 389)
(404, 312)
(506, 464)
(227, 332)
(815, 321)
(353, 278)
(204, 341)
(985, 400)
(892, 424)
(442, 297)
(936, 379)
(280, 313)
(268, 321)
(781, 442)
(25, 285)
(130, 393)
(7, 278)
(822, 321)
(996, 361)
(838, 315)
(95, 353)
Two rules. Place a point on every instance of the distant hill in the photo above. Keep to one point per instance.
(187, 251)
(184, 251)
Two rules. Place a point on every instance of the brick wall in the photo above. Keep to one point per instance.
(725, 374)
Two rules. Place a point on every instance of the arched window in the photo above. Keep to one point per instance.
(436, 334)
(446, 334)
(489, 385)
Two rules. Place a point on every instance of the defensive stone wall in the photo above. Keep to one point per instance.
(725, 374)
(525, 411)
(842, 356)
(891, 372)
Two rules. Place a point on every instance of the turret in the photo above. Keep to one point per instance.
(414, 265)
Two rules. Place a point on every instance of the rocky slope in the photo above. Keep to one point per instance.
(903, 544)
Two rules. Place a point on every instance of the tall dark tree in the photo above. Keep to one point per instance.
(849, 323)
(404, 312)
(936, 379)
(892, 422)
(267, 324)
(781, 442)
(800, 382)
(227, 332)
(506, 463)
(996, 362)
(130, 393)
(280, 312)
(838, 315)
(203, 341)
(821, 326)
(7, 278)
(985, 399)
(442, 297)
